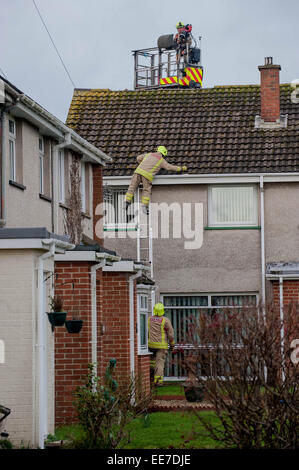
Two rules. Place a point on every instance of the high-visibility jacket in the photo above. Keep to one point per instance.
(151, 163)
(160, 332)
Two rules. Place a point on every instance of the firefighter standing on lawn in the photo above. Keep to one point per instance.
(149, 165)
(160, 334)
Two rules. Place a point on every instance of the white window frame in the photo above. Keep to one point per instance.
(208, 306)
(41, 155)
(12, 150)
(143, 310)
(211, 216)
(61, 182)
(119, 212)
(83, 194)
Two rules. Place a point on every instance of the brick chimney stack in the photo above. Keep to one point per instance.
(270, 92)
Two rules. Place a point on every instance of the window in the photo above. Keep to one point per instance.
(61, 176)
(142, 322)
(12, 150)
(232, 205)
(41, 164)
(83, 199)
(183, 311)
(114, 203)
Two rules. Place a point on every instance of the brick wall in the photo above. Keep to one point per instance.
(116, 320)
(73, 351)
(144, 371)
(290, 291)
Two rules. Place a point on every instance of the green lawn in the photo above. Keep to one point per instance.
(162, 430)
(169, 388)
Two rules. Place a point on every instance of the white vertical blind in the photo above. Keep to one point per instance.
(233, 205)
(114, 207)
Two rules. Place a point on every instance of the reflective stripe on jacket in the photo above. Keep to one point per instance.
(160, 332)
(151, 163)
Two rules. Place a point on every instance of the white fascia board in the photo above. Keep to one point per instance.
(121, 267)
(22, 111)
(61, 244)
(126, 266)
(77, 256)
(141, 287)
(85, 256)
(285, 276)
(50, 125)
(208, 179)
(33, 244)
(22, 244)
(88, 155)
(93, 153)
(109, 257)
(143, 267)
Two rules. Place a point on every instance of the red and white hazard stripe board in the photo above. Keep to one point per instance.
(192, 73)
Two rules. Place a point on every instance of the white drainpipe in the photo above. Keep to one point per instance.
(282, 326)
(132, 329)
(94, 333)
(42, 353)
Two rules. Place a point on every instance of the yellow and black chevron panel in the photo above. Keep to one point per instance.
(192, 74)
(168, 80)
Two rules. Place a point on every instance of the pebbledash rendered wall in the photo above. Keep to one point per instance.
(24, 206)
(73, 351)
(228, 260)
(19, 379)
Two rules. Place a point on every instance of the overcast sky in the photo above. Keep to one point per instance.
(95, 39)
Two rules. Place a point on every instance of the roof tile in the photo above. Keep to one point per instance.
(212, 130)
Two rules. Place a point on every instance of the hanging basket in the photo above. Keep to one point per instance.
(74, 326)
(57, 318)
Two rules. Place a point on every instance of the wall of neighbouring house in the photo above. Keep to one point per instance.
(228, 260)
(25, 208)
(73, 351)
(18, 330)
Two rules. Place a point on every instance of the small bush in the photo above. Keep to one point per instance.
(5, 444)
(105, 409)
(251, 380)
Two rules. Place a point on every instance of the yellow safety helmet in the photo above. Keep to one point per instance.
(180, 25)
(159, 309)
(162, 150)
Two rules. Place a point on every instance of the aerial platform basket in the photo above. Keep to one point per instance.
(160, 67)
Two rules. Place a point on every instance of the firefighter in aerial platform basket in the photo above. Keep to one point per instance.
(160, 334)
(182, 39)
(149, 165)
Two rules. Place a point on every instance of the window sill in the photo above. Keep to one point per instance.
(128, 228)
(17, 185)
(45, 198)
(145, 352)
(240, 227)
(64, 206)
